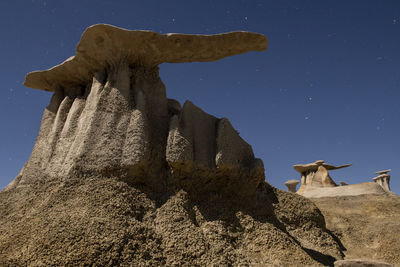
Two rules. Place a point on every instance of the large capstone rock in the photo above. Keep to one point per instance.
(102, 45)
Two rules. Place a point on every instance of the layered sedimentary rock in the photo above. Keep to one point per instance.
(121, 175)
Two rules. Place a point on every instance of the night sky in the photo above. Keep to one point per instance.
(328, 87)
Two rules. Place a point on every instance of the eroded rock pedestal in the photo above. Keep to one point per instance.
(316, 182)
(122, 123)
(291, 185)
(383, 179)
(121, 175)
(316, 174)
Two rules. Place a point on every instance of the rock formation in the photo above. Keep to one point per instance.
(291, 185)
(383, 179)
(316, 174)
(121, 175)
(316, 182)
(102, 46)
(109, 111)
(365, 216)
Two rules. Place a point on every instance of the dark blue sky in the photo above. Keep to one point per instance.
(328, 87)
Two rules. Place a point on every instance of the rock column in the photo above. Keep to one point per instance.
(383, 179)
(291, 185)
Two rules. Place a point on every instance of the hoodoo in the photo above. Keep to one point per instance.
(121, 175)
(109, 112)
(291, 185)
(316, 182)
(383, 179)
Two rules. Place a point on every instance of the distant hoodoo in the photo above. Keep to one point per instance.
(316, 174)
(383, 179)
(316, 182)
(291, 185)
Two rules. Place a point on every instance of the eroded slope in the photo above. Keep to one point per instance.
(367, 225)
(105, 221)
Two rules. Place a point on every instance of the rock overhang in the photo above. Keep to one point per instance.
(103, 45)
(301, 168)
(292, 182)
(383, 172)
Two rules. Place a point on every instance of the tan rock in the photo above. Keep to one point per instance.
(383, 172)
(104, 45)
(314, 166)
(317, 183)
(118, 121)
(210, 147)
(383, 179)
(348, 190)
(109, 111)
(199, 130)
(315, 175)
(291, 185)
